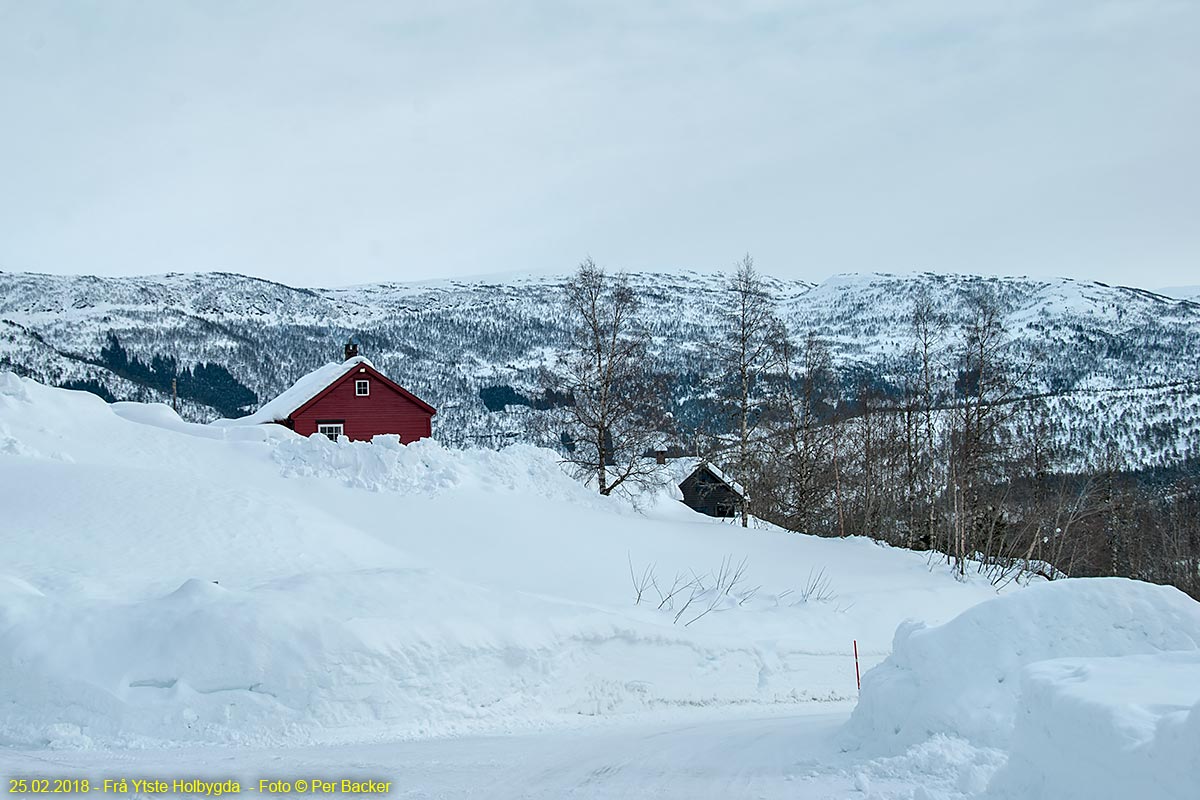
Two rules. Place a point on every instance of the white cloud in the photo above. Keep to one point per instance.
(333, 143)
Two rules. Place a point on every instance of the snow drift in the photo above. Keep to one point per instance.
(1106, 727)
(167, 582)
(964, 678)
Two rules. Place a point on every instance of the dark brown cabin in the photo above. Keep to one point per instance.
(710, 491)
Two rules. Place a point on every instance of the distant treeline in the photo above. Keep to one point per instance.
(498, 398)
(95, 387)
(209, 384)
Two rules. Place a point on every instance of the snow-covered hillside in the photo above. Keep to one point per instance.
(1110, 356)
(166, 581)
(238, 592)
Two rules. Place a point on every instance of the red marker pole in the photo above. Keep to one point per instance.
(857, 676)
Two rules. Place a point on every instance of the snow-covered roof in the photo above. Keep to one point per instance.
(304, 390)
(683, 467)
(730, 482)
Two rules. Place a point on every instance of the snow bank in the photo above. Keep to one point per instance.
(331, 657)
(167, 582)
(426, 467)
(1091, 728)
(963, 678)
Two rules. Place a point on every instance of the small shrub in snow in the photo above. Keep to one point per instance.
(691, 595)
(816, 588)
(640, 585)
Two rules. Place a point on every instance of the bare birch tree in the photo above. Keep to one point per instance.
(988, 380)
(801, 440)
(618, 410)
(928, 330)
(749, 352)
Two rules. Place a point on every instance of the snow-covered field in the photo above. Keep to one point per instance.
(236, 600)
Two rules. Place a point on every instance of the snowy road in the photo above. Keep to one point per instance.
(764, 757)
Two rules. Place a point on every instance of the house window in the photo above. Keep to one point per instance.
(331, 429)
(362, 388)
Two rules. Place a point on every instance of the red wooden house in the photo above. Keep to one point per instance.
(351, 399)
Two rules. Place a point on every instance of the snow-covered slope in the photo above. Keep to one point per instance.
(169, 581)
(166, 582)
(1110, 357)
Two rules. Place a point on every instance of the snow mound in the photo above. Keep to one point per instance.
(963, 678)
(14, 387)
(426, 467)
(331, 657)
(162, 581)
(1106, 727)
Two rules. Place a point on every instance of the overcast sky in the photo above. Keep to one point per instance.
(329, 143)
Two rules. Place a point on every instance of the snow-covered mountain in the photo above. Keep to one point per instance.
(1120, 361)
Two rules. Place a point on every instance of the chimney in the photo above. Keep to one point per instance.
(660, 456)
(351, 350)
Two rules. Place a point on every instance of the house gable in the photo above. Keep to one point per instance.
(326, 401)
(356, 372)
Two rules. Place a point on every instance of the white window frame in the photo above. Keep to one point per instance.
(332, 429)
(362, 388)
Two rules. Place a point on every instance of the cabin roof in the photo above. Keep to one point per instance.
(687, 467)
